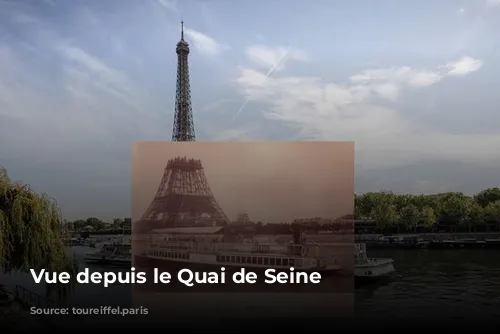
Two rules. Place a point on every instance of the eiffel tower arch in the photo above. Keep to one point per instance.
(183, 197)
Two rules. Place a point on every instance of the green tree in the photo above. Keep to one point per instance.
(386, 215)
(487, 196)
(410, 216)
(477, 216)
(96, 223)
(456, 209)
(117, 223)
(30, 231)
(492, 212)
(428, 217)
(365, 204)
(79, 224)
(127, 222)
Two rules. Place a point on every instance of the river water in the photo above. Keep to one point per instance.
(428, 283)
(433, 283)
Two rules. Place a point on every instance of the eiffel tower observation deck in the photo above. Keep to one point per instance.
(183, 197)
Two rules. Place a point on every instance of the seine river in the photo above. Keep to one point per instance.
(434, 283)
(428, 283)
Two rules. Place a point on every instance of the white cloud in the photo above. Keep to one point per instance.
(95, 98)
(463, 66)
(241, 134)
(203, 43)
(267, 57)
(493, 3)
(85, 72)
(169, 4)
(350, 111)
(388, 82)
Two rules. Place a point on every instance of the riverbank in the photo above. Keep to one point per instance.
(481, 236)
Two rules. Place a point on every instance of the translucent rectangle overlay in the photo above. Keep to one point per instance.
(252, 206)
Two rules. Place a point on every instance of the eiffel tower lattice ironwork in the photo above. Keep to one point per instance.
(183, 117)
(183, 197)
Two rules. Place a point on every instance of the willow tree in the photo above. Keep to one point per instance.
(31, 232)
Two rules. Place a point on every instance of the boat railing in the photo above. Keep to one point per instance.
(228, 247)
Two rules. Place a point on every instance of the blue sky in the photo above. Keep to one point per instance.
(414, 83)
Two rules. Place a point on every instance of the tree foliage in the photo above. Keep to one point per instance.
(30, 230)
(455, 210)
(98, 225)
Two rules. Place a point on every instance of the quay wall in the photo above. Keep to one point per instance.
(436, 236)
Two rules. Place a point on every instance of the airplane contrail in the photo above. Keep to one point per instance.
(271, 70)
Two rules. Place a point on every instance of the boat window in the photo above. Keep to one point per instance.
(254, 260)
(217, 258)
(272, 261)
(238, 259)
(232, 258)
(249, 259)
(259, 260)
(278, 262)
(285, 262)
(243, 259)
(266, 261)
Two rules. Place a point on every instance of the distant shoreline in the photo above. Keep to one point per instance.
(368, 236)
(435, 236)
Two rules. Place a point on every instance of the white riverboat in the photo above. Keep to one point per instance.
(117, 253)
(370, 269)
(204, 249)
(187, 247)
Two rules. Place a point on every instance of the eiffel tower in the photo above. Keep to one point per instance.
(183, 197)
